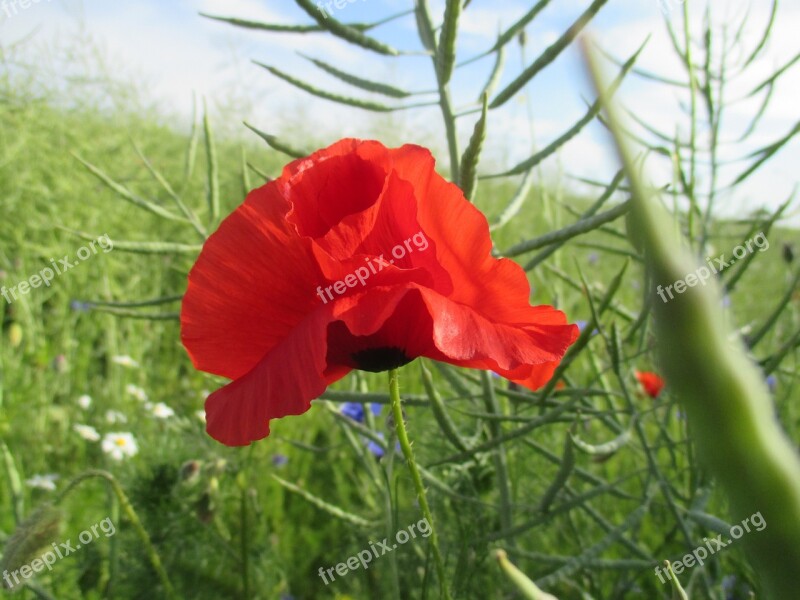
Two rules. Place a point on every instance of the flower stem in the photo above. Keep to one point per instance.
(130, 513)
(405, 446)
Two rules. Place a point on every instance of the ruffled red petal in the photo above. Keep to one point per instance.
(253, 283)
(256, 309)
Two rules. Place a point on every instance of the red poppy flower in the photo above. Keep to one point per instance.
(357, 257)
(651, 383)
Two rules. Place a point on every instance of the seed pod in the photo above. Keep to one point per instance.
(32, 538)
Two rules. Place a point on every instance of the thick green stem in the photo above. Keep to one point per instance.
(405, 446)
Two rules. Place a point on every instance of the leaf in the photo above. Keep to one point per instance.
(213, 169)
(512, 32)
(562, 235)
(331, 509)
(345, 32)
(364, 104)
(548, 55)
(517, 200)
(187, 212)
(422, 14)
(127, 195)
(527, 588)
(277, 144)
(138, 303)
(143, 247)
(564, 471)
(446, 52)
(593, 111)
(469, 161)
(766, 153)
(604, 450)
(274, 27)
(496, 74)
(136, 314)
(364, 84)
(440, 413)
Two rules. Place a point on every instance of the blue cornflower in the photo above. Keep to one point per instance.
(772, 383)
(355, 410)
(79, 306)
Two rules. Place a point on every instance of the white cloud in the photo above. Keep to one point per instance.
(177, 52)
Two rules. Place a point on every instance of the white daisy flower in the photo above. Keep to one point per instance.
(85, 401)
(162, 411)
(87, 432)
(114, 416)
(43, 482)
(119, 445)
(136, 392)
(125, 361)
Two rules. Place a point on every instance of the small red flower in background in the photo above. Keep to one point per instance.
(304, 282)
(651, 383)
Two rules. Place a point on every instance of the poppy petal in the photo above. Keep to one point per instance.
(241, 301)
(283, 383)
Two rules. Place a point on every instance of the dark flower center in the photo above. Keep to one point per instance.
(376, 360)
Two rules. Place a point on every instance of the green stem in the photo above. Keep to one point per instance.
(127, 507)
(450, 128)
(405, 446)
(500, 458)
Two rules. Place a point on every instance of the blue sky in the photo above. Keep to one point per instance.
(174, 53)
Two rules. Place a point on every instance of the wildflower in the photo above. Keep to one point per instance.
(114, 416)
(79, 306)
(125, 361)
(376, 448)
(85, 401)
(357, 257)
(279, 460)
(162, 411)
(772, 383)
(87, 432)
(136, 392)
(593, 258)
(355, 410)
(651, 383)
(43, 482)
(119, 445)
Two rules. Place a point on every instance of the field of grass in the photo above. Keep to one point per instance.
(582, 519)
